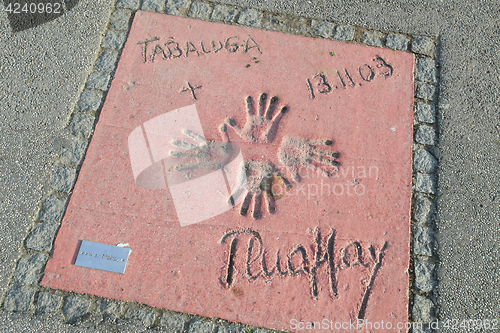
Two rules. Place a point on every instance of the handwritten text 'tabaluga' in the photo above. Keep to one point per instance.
(171, 49)
(307, 264)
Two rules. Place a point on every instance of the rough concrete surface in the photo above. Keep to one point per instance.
(43, 70)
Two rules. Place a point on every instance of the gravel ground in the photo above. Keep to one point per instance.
(43, 70)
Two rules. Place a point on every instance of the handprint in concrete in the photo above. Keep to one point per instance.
(261, 124)
(208, 154)
(254, 183)
(295, 153)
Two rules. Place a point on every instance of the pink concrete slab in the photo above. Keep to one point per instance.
(342, 241)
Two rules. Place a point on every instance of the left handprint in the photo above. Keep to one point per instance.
(207, 154)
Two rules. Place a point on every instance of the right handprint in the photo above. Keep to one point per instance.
(295, 153)
(261, 124)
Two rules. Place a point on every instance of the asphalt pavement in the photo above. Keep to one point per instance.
(43, 70)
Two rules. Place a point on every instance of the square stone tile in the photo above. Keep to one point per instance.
(317, 164)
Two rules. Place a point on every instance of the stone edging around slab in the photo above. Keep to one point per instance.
(24, 292)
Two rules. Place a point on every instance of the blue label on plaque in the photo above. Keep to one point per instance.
(102, 256)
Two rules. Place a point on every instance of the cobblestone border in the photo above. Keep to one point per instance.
(24, 292)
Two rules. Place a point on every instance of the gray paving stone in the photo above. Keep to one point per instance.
(89, 100)
(425, 112)
(423, 309)
(114, 40)
(129, 4)
(74, 153)
(98, 80)
(63, 179)
(29, 268)
(397, 42)
(110, 310)
(153, 5)
(171, 9)
(41, 237)
(323, 29)
(48, 303)
(107, 61)
(422, 241)
(147, 318)
(19, 298)
(120, 18)
(426, 70)
(173, 321)
(250, 17)
(200, 326)
(424, 209)
(231, 329)
(424, 161)
(425, 135)
(425, 183)
(425, 91)
(423, 276)
(344, 32)
(423, 45)
(298, 26)
(223, 13)
(373, 38)
(75, 308)
(200, 10)
(81, 125)
(52, 209)
(273, 22)
(180, 3)
(172, 6)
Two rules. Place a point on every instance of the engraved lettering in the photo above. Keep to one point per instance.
(191, 48)
(311, 91)
(175, 49)
(216, 49)
(376, 267)
(323, 84)
(351, 254)
(341, 81)
(203, 48)
(387, 69)
(248, 47)
(304, 263)
(349, 77)
(232, 47)
(297, 263)
(330, 248)
(368, 74)
(250, 261)
(179, 51)
(230, 267)
(158, 50)
(146, 42)
(280, 271)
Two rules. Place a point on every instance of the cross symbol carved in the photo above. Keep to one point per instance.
(190, 88)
